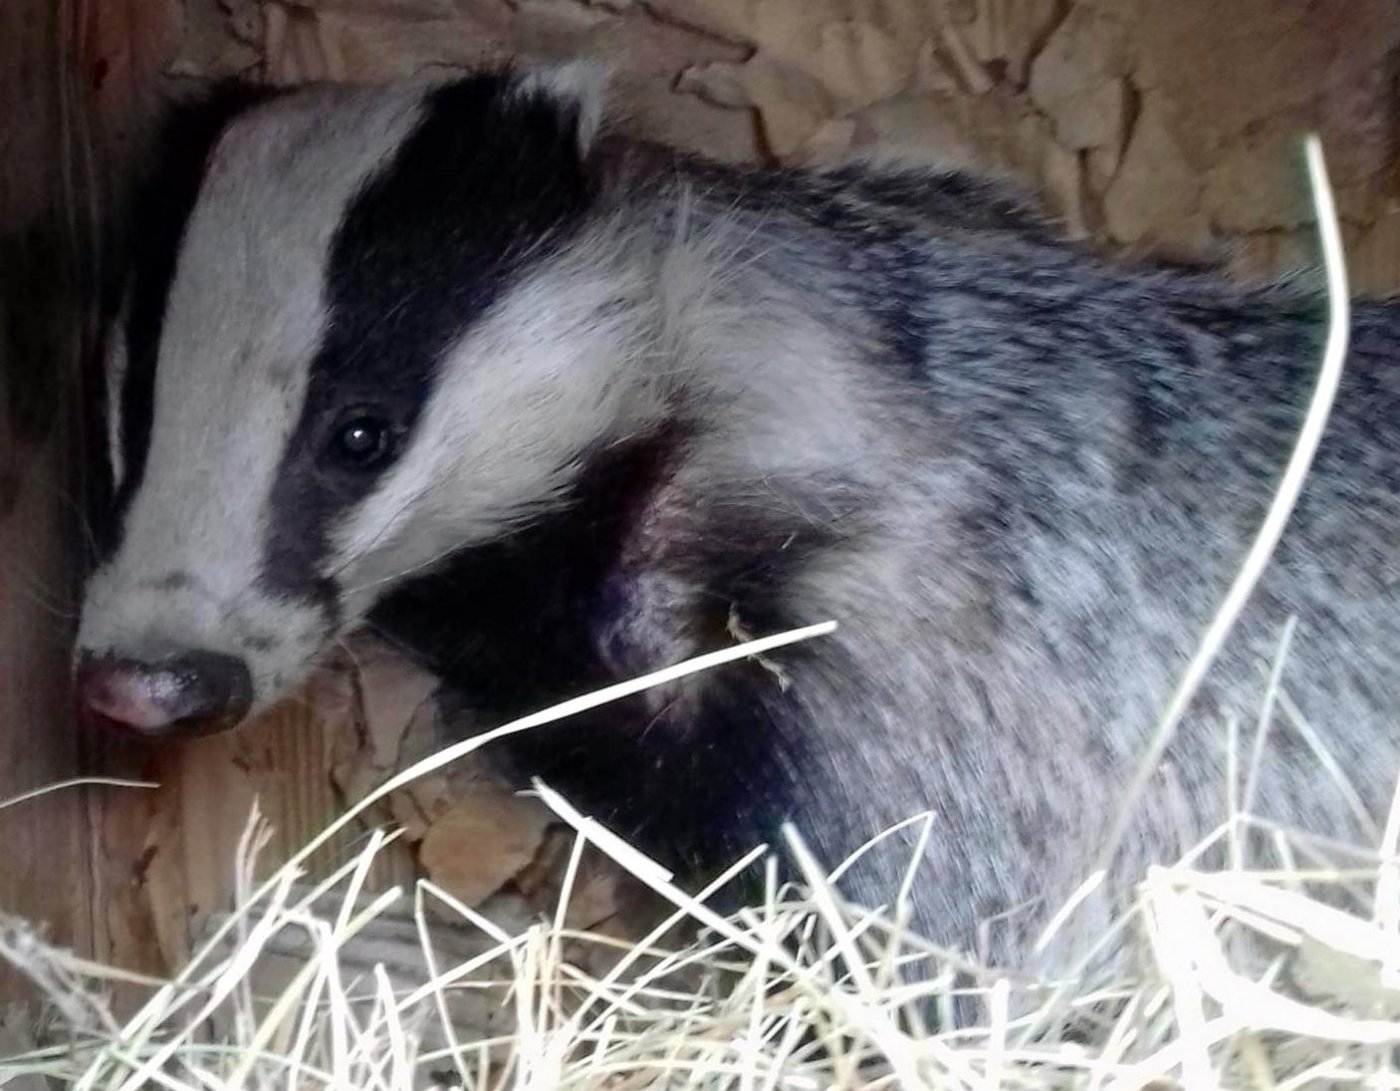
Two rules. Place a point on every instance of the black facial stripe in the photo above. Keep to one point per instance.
(160, 211)
(424, 249)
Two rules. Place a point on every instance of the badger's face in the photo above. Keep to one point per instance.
(359, 335)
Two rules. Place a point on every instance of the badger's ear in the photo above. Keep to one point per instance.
(577, 88)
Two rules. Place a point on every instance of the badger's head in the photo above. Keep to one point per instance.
(364, 328)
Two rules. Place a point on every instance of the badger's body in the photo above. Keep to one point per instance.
(552, 409)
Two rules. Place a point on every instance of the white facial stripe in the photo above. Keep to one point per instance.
(565, 362)
(115, 381)
(243, 320)
(539, 378)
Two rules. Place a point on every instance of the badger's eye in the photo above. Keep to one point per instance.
(362, 443)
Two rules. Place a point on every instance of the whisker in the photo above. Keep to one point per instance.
(55, 602)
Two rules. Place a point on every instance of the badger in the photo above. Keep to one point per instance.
(550, 408)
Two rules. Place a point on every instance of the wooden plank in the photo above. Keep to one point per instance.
(43, 875)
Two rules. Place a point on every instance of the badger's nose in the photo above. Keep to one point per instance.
(192, 694)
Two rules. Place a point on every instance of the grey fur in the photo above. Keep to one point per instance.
(1037, 474)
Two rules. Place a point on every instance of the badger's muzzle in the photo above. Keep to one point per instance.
(197, 693)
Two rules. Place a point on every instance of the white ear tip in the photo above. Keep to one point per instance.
(581, 83)
(578, 77)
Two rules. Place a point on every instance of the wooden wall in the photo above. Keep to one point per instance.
(44, 324)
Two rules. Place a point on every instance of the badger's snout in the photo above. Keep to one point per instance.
(196, 693)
